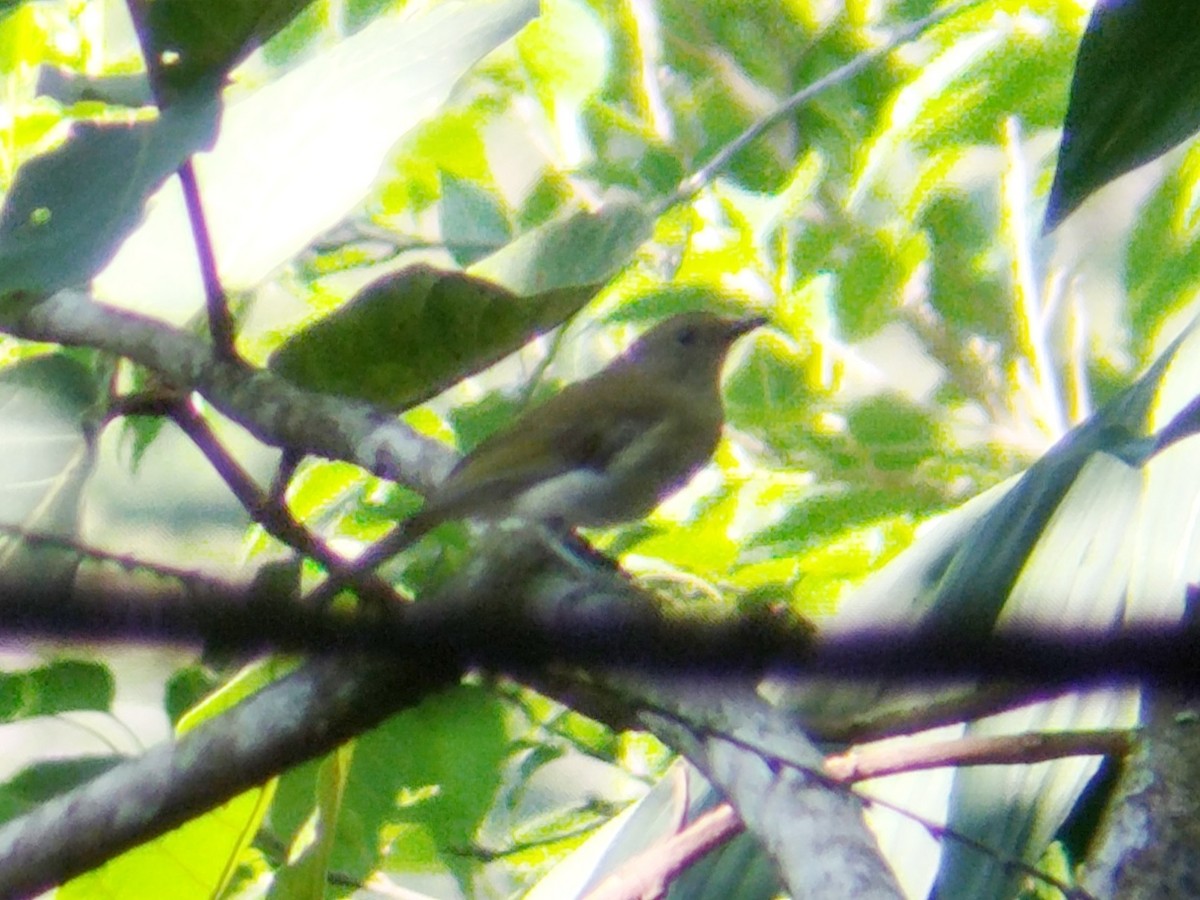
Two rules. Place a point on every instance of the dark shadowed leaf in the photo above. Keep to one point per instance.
(198, 41)
(1135, 94)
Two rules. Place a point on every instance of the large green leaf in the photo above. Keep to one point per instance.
(416, 791)
(409, 335)
(296, 156)
(197, 859)
(69, 210)
(1135, 94)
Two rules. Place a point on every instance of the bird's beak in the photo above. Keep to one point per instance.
(738, 327)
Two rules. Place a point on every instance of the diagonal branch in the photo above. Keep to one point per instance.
(299, 717)
(271, 512)
(270, 408)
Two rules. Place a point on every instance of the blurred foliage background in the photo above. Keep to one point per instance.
(926, 339)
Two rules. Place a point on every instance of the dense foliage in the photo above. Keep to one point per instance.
(927, 340)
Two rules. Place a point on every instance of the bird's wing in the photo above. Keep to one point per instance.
(549, 440)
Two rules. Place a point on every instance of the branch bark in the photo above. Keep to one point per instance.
(270, 408)
(302, 716)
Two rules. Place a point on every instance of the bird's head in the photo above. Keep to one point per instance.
(690, 347)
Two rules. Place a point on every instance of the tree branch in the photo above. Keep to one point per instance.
(516, 608)
(546, 614)
(270, 408)
(271, 512)
(299, 717)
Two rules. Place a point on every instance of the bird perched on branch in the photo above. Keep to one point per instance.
(606, 449)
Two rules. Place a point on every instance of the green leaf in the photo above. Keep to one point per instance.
(1135, 94)
(1162, 261)
(474, 221)
(417, 790)
(69, 210)
(475, 422)
(55, 688)
(896, 434)
(772, 391)
(48, 455)
(576, 250)
(967, 284)
(411, 334)
(869, 288)
(826, 513)
(457, 742)
(307, 870)
(202, 41)
(39, 782)
(186, 688)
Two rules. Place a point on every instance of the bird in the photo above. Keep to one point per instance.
(604, 450)
(607, 449)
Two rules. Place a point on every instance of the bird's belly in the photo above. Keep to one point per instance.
(582, 497)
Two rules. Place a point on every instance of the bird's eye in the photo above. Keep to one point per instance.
(687, 336)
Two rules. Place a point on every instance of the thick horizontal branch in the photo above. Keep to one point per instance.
(605, 624)
(518, 609)
(269, 407)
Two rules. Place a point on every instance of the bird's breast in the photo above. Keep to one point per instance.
(630, 483)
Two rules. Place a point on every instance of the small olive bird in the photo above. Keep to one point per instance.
(606, 449)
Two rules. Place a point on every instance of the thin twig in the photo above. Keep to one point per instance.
(274, 517)
(187, 577)
(861, 764)
(394, 542)
(220, 321)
